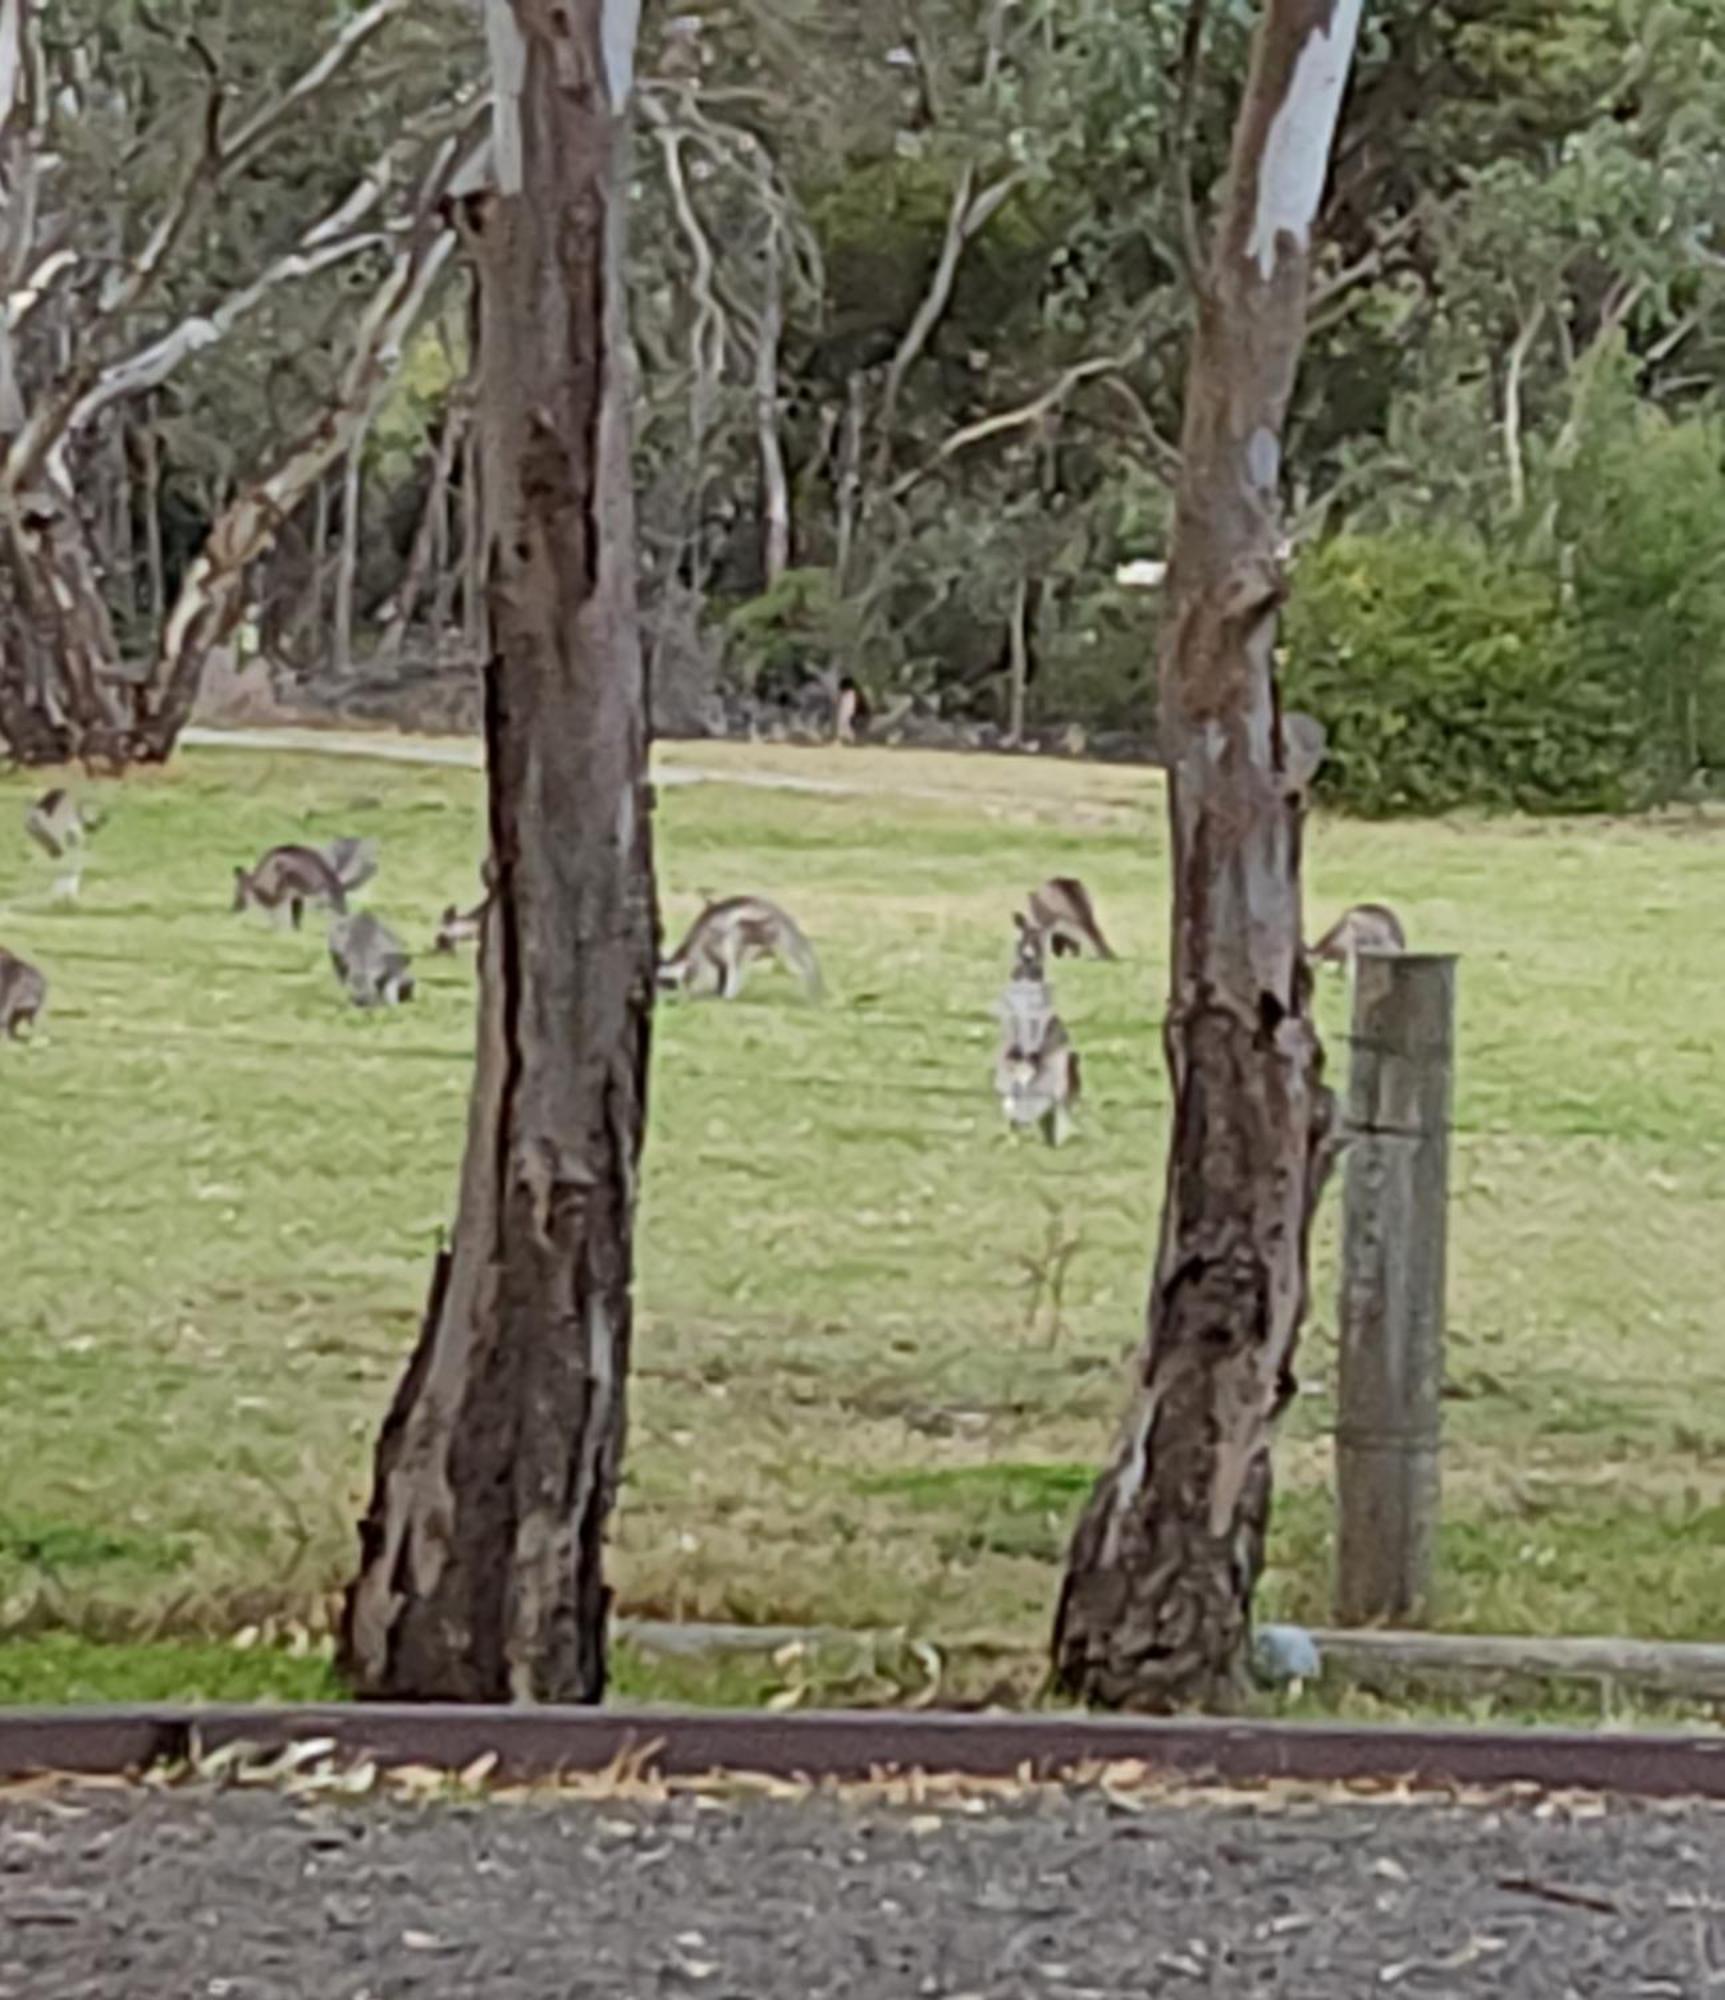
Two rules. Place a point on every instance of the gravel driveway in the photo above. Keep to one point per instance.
(208, 1895)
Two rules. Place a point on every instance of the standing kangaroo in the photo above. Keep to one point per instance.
(57, 823)
(59, 826)
(290, 877)
(1036, 1069)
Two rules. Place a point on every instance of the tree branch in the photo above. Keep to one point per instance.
(258, 130)
(1180, 140)
(332, 239)
(1001, 421)
(1526, 335)
(211, 597)
(708, 335)
(150, 366)
(968, 214)
(218, 158)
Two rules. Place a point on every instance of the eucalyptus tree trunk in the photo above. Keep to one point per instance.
(480, 1575)
(1156, 1604)
(347, 561)
(775, 485)
(429, 551)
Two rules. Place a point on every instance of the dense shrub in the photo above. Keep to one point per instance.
(1449, 676)
(1642, 518)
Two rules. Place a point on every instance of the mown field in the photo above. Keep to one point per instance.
(856, 1400)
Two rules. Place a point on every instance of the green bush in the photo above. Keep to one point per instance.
(1448, 675)
(775, 641)
(1642, 510)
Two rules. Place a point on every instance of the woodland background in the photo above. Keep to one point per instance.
(910, 328)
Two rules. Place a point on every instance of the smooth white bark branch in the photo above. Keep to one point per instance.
(262, 126)
(12, 24)
(1296, 153)
(508, 79)
(152, 365)
(619, 23)
(249, 525)
(240, 149)
(967, 217)
(36, 286)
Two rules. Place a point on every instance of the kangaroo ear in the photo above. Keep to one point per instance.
(239, 873)
(1019, 918)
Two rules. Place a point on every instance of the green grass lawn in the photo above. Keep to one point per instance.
(224, 1187)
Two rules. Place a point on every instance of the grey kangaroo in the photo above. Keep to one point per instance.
(727, 938)
(59, 825)
(289, 878)
(23, 994)
(371, 962)
(352, 860)
(1063, 912)
(1365, 927)
(460, 927)
(1036, 1069)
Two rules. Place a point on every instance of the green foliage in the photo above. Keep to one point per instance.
(1448, 675)
(775, 641)
(1641, 516)
(401, 432)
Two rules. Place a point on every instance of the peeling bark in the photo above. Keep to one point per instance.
(1156, 1603)
(480, 1574)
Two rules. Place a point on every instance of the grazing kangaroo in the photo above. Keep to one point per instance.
(352, 860)
(460, 927)
(1365, 927)
(23, 994)
(727, 938)
(291, 877)
(1036, 1070)
(1063, 912)
(370, 961)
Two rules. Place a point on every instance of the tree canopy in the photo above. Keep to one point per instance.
(911, 314)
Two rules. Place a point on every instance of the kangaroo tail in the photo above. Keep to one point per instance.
(800, 957)
(352, 862)
(1085, 911)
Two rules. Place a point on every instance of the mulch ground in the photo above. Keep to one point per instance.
(207, 1894)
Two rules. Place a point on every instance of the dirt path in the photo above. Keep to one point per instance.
(463, 753)
(992, 784)
(129, 1895)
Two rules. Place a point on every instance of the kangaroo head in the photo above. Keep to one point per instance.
(1027, 957)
